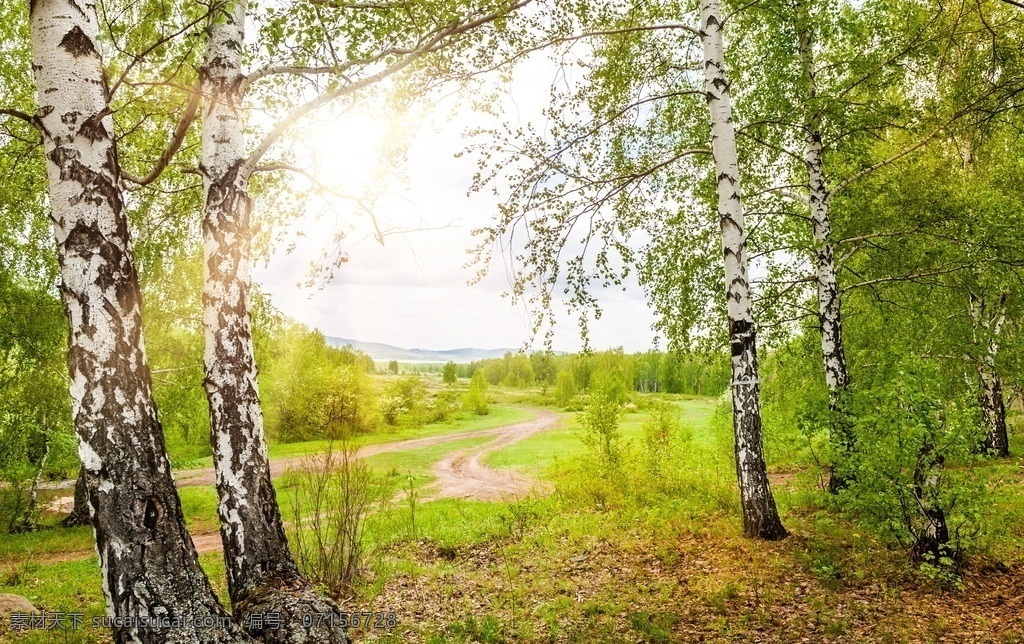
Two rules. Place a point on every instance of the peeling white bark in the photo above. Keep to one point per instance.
(837, 375)
(760, 515)
(262, 574)
(148, 562)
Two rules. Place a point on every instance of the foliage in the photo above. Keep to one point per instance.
(565, 388)
(312, 390)
(916, 465)
(404, 398)
(475, 399)
(663, 436)
(450, 374)
(599, 421)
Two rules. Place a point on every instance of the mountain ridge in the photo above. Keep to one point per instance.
(382, 352)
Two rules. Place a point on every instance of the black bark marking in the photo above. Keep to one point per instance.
(739, 332)
(94, 129)
(84, 240)
(154, 512)
(76, 43)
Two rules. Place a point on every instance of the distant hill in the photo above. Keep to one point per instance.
(383, 352)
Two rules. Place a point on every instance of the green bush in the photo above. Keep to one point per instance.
(913, 469)
(475, 399)
(600, 423)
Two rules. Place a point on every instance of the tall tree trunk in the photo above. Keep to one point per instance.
(150, 569)
(932, 543)
(837, 376)
(990, 395)
(262, 575)
(993, 410)
(760, 515)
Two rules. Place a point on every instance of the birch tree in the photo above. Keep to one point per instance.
(262, 574)
(837, 375)
(989, 319)
(621, 159)
(150, 569)
(760, 515)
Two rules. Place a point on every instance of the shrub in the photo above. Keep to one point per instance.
(565, 388)
(912, 472)
(444, 406)
(600, 422)
(475, 399)
(332, 494)
(663, 434)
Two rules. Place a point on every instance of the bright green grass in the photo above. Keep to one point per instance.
(199, 504)
(27, 546)
(500, 415)
(537, 453)
(420, 461)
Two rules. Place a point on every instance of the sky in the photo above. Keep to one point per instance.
(412, 291)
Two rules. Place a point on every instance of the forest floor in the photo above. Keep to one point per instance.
(585, 559)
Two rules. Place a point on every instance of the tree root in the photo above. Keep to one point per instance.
(291, 611)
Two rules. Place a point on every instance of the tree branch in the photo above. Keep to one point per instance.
(438, 41)
(177, 139)
(28, 118)
(138, 58)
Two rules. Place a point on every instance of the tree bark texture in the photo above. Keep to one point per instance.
(837, 376)
(760, 514)
(933, 540)
(80, 511)
(150, 569)
(990, 394)
(262, 575)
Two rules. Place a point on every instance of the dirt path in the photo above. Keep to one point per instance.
(459, 475)
(507, 434)
(462, 475)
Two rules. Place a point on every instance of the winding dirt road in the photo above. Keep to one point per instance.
(460, 474)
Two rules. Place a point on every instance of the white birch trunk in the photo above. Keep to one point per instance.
(760, 515)
(990, 395)
(150, 569)
(837, 376)
(262, 575)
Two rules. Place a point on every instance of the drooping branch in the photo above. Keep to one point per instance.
(175, 143)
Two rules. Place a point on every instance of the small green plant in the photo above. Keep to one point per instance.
(914, 474)
(600, 422)
(518, 516)
(663, 433)
(475, 399)
(486, 630)
(411, 499)
(654, 627)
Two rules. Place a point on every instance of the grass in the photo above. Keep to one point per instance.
(634, 556)
(539, 452)
(500, 415)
